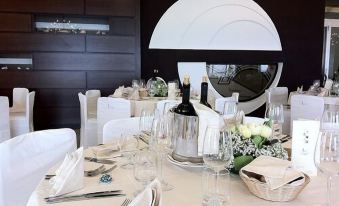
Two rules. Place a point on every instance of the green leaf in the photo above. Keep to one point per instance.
(258, 141)
(268, 123)
(241, 161)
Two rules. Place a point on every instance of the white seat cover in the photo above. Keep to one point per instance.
(118, 127)
(109, 109)
(19, 99)
(88, 130)
(92, 100)
(5, 133)
(25, 159)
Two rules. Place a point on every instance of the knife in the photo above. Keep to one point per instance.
(102, 161)
(95, 195)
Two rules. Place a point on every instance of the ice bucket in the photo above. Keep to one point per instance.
(185, 137)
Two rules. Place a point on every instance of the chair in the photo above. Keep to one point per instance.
(5, 132)
(306, 107)
(277, 95)
(92, 100)
(88, 130)
(19, 100)
(120, 127)
(25, 160)
(22, 122)
(109, 109)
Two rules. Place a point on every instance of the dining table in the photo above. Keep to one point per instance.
(187, 183)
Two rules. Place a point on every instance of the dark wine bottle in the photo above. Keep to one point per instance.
(186, 107)
(204, 92)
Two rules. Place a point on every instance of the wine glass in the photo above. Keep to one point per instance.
(129, 146)
(162, 145)
(145, 168)
(327, 149)
(230, 113)
(275, 113)
(217, 155)
(146, 119)
(135, 84)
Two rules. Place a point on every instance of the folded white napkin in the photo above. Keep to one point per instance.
(70, 175)
(276, 172)
(118, 92)
(106, 150)
(207, 117)
(150, 196)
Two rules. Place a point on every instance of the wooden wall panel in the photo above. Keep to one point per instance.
(43, 6)
(57, 117)
(109, 79)
(111, 7)
(11, 79)
(122, 26)
(114, 44)
(15, 22)
(41, 42)
(75, 61)
(57, 98)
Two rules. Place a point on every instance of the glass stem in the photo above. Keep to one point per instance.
(160, 162)
(329, 188)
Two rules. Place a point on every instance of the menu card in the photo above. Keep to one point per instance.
(305, 136)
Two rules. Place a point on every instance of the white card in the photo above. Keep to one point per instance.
(305, 136)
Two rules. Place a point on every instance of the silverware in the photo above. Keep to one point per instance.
(95, 195)
(102, 161)
(48, 177)
(95, 172)
(126, 202)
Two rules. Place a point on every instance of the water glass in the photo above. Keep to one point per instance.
(145, 168)
(230, 113)
(216, 187)
(129, 146)
(142, 83)
(275, 113)
(135, 84)
(146, 120)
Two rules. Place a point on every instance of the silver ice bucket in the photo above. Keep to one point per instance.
(185, 137)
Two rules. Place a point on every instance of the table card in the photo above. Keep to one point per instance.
(305, 136)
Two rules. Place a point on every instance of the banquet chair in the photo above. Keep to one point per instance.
(92, 101)
(22, 122)
(5, 132)
(109, 109)
(120, 127)
(88, 128)
(277, 95)
(306, 107)
(19, 100)
(25, 160)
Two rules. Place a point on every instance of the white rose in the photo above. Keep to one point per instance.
(245, 132)
(255, 129)
(241, 127)
(266, 131)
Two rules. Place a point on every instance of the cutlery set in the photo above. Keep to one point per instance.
(86, 196)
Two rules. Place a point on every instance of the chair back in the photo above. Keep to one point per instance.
(109, 109)
(120, 127)
(5, 132)
(92, 97)
(19, 99)
(277, 95)
(29, 110)
(306, 107)
(26, 159)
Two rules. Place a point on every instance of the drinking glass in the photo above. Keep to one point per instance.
(327, 149)
(145, 168)
(142, 83)
(230, 113)
(146, 120)
(275, 113)
(135, 84)
(129, 146)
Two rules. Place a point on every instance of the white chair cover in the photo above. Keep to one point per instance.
(92, 101)
(22, 122)
(5, 133)
(109, 109)
(166, 103)
(306, 107)
(117, 128)
(19, 99)
(25, 159)
(277, 95)
(88, 129)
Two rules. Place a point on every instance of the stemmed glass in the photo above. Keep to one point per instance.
(145, 168)
(217, 154)
(129, 146)
(230, 113)
(146, 119)
(275, 113)
(327, 149)
(162, 145)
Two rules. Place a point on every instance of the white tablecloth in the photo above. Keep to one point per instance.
(187, 190)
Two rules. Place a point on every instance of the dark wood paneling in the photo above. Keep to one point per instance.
(122, 26)
(15, 22)
(73, 61)
(111, 7)
(11, 79)
(41, 42)
(57, 117)
(43, 6)
(109, 79)
(114, 44)
(57, 97)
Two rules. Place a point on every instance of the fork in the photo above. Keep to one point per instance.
(126, 202)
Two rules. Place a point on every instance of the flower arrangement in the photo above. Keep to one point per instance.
(252, 140)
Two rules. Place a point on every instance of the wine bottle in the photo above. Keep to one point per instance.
(186, 107)
(204, 92)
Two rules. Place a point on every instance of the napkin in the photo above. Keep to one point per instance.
(207, 117)
(118, 92)
(275, 172)
(70, 175)
(106, 150)
(150, 196)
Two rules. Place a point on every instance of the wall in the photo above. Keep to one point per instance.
(65, 64)
(299, 24)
